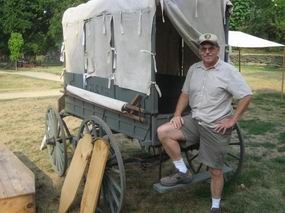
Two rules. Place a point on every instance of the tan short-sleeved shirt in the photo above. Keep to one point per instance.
(211, 90)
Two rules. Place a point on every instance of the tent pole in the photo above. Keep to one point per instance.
(283, 74)
(239, 68)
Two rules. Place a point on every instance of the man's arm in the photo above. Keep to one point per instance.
(229, 122)
(182, 103)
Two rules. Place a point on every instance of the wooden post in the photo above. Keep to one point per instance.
(283, 75)
(239, 68)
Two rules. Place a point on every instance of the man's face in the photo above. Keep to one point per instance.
(209, 54)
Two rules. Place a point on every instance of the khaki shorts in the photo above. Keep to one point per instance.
(213, 145)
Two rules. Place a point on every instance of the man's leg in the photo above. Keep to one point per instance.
(217, 184)
(169, 138)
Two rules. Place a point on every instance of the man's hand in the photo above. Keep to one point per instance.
(177, 122)
(223, 125)
(229, 122)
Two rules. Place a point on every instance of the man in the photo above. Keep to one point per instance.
(209, 88)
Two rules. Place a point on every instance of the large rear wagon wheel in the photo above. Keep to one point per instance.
(235, 156)
(56, 141)
(233, 159)
(114, 180)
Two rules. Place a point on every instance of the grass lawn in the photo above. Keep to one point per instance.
(263, 78)
(260, 188)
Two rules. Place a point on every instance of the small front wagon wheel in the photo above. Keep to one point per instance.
(114, 180)
(56, 141)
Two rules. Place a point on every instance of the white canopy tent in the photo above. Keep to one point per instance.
(244, 40)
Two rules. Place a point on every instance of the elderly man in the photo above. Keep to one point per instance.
(209, 88)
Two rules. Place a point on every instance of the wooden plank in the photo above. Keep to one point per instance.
(94, 177)
(20, 204)
(75, 172)
(15, 178)
(196, 178)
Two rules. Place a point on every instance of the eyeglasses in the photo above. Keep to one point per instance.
(210, 49)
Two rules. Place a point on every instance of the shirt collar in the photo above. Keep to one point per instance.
(209, 68)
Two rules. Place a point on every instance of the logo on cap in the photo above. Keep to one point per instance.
(207, 36)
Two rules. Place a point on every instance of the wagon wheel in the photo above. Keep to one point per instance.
(233, 159)
(114, 180)
(56, 141)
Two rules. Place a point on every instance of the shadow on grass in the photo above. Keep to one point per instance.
(46, 194)
(257, 127)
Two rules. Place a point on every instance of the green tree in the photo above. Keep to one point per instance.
(264, 18)
(268, 19)
(39, 21)
(240, 16)
(55, 27)
(15, 44)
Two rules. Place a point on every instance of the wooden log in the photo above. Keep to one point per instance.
(75, 172)
(17, 184)
(94, 177)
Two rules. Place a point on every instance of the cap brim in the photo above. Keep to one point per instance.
(211, 42)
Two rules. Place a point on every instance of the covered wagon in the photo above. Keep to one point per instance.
(125, 64)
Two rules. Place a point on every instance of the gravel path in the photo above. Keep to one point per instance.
(39, 75)
(32, 94)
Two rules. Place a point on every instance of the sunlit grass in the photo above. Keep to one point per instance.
(263, 78)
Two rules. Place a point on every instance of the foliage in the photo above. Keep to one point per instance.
(265, 18)
(39, 21)
(241, 13)
(55, 28)
(15, 43)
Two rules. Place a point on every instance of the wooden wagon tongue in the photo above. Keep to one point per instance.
(128, 109)
(85, 153)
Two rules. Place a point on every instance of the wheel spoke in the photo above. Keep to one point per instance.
(237, 143)
(234, 156)
(112, 182)
(117, 171)
(114, 194)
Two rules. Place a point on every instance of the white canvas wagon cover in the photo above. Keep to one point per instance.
(114, 38)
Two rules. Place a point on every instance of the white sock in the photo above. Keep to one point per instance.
(216, 202)
(180, 165)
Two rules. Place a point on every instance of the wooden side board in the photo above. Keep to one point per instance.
(19, 204)
(17, 184)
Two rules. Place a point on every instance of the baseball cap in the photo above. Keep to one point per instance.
(208, 37)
